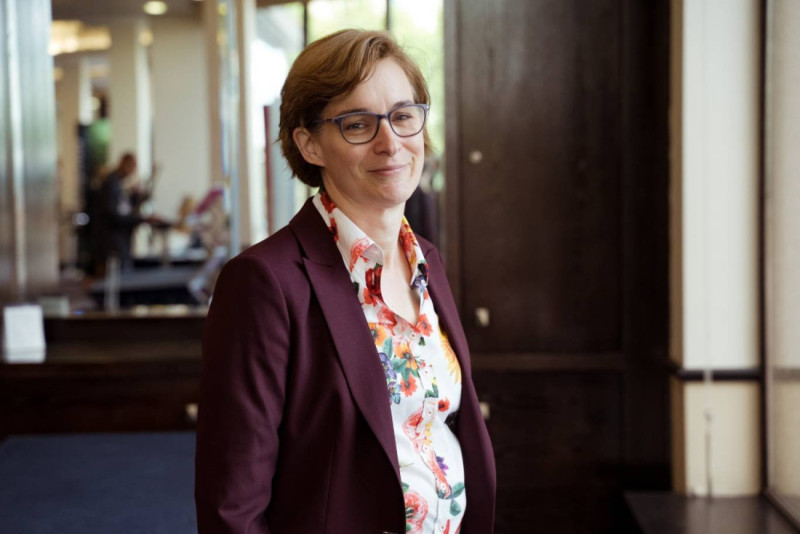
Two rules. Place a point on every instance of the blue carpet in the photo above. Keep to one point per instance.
(98, 483)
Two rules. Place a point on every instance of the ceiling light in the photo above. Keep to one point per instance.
(68, 36)
(154, 7)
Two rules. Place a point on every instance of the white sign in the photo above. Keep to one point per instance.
(23, 334)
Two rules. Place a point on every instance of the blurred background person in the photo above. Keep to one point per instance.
(118, 213)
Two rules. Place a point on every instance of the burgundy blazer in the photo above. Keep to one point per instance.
(295, 432)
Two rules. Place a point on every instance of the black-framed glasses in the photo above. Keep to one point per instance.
(361, 127)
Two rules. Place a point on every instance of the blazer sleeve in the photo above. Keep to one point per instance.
(245, 360)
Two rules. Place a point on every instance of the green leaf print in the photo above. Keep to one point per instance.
(401, 368)
(458, 489)
(432, 393)
(455, 508)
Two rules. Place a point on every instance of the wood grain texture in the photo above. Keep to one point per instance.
(110, 396)
(557, 440)
(561, 232)
(106, 374)
(540, 214)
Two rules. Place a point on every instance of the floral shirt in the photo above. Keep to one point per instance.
(423, 378)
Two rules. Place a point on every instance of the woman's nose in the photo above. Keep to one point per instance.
(386, 141)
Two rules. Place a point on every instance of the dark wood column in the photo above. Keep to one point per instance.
(557, 246)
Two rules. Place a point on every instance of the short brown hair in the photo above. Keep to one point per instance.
(330, 68)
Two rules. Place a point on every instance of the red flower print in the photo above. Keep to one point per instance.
(407, 239)
(444, 405)
(373, 279)
(357, 250)
(408, 242)
(327, 203)
(417, 428)
(408, 387)
(416, 510)
(387, 317)
(369, 299)
(334, 230)
(423, 326)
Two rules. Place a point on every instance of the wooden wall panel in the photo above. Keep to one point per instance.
(557, 441)
(540, 211)
(110, 396)
(106, 374)
(557, 169)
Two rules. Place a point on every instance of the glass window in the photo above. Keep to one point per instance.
(327, 16)
(279, 40)
(782, 210)
(418, 25)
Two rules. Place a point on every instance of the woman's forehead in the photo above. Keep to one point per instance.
(386, 87)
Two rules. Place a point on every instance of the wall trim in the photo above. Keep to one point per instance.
(747, 374)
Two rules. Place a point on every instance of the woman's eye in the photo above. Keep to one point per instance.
(401, 117)
(355, 126)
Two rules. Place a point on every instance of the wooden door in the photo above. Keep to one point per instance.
(556, 244)
(540, 175)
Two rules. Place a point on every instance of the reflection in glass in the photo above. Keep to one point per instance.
(782, 208)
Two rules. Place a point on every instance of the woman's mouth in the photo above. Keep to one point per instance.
(389, 170)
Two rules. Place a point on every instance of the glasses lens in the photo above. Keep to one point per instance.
(407, 120)
(359, 128)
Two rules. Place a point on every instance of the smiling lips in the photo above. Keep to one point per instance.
(389, 170)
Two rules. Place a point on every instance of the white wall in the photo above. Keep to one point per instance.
(714, 252)
(73, 107)
(129, 93)
(734, 440)
(179, 77)
(719, 216)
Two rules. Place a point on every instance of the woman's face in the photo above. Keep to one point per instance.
(382, 173)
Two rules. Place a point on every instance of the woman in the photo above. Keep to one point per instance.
(337, 394)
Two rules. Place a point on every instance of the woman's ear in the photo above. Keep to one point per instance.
(309, 147)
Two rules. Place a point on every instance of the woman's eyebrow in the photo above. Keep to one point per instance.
(353, 110)
(365, 110)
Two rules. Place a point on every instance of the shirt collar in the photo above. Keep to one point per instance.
(355, 245)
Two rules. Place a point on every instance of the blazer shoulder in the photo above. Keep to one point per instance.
(277, 250)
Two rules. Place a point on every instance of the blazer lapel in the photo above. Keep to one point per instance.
(354, 344)
(446, 308)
